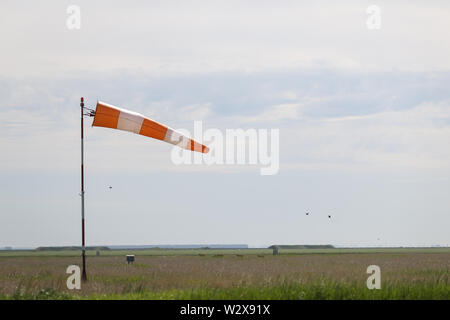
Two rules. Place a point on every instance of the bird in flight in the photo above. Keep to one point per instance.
(110, 187)
(329, 216)
(307, 213)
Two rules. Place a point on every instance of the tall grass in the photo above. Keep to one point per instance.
(326, 290)
(404, 276)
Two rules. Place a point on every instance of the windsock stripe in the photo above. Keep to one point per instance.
(130, 122)
(106, 117)
(116, 118)
(153, 129)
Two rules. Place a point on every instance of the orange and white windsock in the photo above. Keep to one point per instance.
(109, 116)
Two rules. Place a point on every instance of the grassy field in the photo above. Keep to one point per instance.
(229, 274)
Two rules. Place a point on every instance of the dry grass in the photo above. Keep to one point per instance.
(110, 275)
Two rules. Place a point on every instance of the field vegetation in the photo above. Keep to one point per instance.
(229, 274)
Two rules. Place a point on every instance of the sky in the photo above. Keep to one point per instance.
(363, 117)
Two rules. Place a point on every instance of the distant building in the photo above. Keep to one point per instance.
(181, 246)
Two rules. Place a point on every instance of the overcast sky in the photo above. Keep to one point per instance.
(364, 120)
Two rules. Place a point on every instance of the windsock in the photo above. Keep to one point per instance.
(109, 116)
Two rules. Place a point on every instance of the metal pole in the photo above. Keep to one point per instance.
(83, 276)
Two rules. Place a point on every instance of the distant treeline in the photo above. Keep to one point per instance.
(69, 248)
(302, 246)
(180, 246)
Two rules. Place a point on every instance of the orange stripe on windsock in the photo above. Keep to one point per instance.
(109, 116)
(106, 116)
(153, 129)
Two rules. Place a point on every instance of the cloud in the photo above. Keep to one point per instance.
(169, 38)
(195, 112)
(330, 120)
(358, 111)
(411, 139)
(287, 111)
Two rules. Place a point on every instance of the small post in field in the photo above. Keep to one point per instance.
(130, 258)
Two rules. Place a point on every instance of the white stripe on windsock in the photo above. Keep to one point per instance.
(130, 121)
(176, 138)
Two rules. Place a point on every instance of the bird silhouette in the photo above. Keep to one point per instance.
(110, 187)
(329, 216)
(307, 213)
